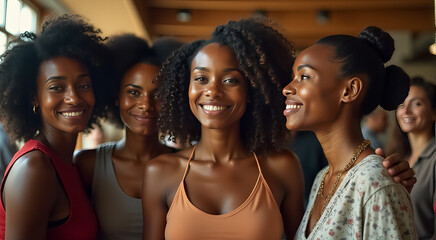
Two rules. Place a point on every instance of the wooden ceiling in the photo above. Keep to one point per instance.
(298, 18)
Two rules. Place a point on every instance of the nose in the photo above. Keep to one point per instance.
(289, 90)
(145, 103)
(212, 89)
(71, 96)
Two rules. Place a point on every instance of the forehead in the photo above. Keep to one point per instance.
(417, 92)
(141, 74)
(215, 55)
(61, 66)
(317, 55)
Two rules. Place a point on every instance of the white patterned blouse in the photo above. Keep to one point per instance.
(368, 204)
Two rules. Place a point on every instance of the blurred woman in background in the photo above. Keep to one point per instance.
(414, 138)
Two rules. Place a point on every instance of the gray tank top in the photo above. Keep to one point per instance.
(119, 215)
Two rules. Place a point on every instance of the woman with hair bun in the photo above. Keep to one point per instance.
(335, 83)
(51, 89)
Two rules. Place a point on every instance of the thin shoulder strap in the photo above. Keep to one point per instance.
(189, 160)
(257, 161)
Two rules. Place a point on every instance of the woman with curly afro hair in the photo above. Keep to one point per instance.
(236, 182)
(112, 173)
(51, 89)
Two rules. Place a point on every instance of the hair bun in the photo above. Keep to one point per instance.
(396, 87)
(380, 40)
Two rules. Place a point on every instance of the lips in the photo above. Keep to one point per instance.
(292, 107)
(213, 108)
(144, 118)
(408, 119)
(72, 114)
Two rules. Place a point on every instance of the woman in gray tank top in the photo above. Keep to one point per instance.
(112, 173)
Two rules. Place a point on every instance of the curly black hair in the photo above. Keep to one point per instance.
(265, 58)
(366, 54)
(67, 36)
(127, 50)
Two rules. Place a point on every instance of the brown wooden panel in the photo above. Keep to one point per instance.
(288, 5)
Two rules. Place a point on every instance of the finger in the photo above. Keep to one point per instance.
(404, 176)
(409, 184)
(380, 152)
(396, 161)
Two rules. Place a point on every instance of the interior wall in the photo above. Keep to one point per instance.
(111, 16)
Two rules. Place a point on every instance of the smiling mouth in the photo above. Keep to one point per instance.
(213, 108)
(408, 120)
(294, 106)
(72, 114)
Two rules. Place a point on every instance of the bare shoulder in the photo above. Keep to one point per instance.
(282, 163)
(162, 176)
(84, 156)
(167, 165)
(34, 164)
(84, 160)
(32, 173)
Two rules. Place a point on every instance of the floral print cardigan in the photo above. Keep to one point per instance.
(368, 204)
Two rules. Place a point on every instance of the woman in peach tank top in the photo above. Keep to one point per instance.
(236, 182)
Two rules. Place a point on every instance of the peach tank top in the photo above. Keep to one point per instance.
(258, 218)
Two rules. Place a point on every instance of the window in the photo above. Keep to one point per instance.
(16, 16)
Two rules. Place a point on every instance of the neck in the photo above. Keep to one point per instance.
(418, 142)
(221, 145)
(141, 147)
(339, 141)
(62, 144)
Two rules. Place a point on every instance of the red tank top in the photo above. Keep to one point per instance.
(82, 222)
(258, 218)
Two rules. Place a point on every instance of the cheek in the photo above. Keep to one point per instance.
(157, 105)
(193, 95)
(398, 113)
(90, 99)
(304, 94)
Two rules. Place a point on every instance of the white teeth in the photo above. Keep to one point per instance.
(213, 108)
(408, 120)
(72, 114)
(293, 106)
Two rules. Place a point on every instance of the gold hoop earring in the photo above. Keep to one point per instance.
(35, 109)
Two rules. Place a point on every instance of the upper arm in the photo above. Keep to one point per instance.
(287, 168)
(383, 220)
(29, 196)
(156, 184)
(84, 160)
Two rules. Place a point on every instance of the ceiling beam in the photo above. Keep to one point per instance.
(289, 5)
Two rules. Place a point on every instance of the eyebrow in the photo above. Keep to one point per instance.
(132, 85)
(303, 66)
(64, 78)
(226, 70)
(201, 69)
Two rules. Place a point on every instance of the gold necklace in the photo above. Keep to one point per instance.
(356, 153)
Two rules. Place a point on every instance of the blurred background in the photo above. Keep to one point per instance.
(410, 22)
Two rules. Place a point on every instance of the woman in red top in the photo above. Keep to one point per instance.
(50, 91)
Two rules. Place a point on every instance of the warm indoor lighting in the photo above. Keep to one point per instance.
(183, 15)
(323, 16)
(432, 49)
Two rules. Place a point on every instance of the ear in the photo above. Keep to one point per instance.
(352, 90)
(117, 103)
(35, 101)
